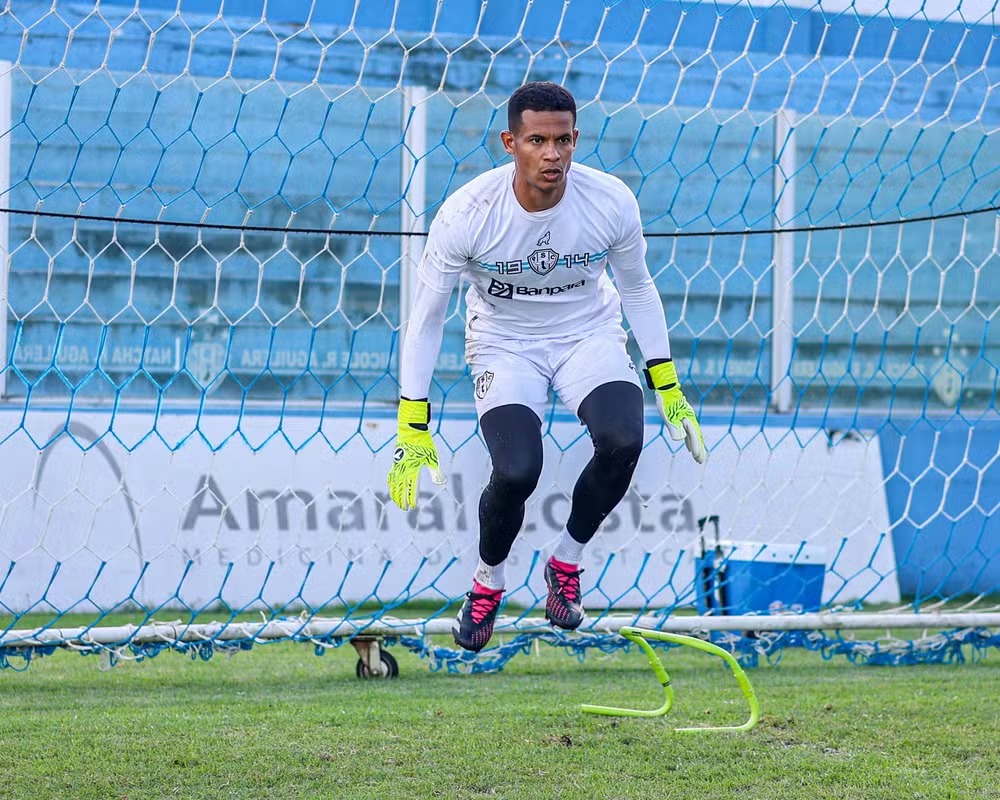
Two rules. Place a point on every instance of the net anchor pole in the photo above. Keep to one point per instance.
(783, 272)
(6, 99)
(413, 191)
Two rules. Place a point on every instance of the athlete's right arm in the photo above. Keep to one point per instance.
(437, 275)
(414, 446)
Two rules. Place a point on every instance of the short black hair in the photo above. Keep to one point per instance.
(538, 96)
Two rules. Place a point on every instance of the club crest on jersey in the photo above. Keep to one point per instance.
(543, 261)
(483, 384)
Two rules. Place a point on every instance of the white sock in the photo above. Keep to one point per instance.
(492, 576)
(568, 550)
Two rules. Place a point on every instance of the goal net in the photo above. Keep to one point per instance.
(210, 217)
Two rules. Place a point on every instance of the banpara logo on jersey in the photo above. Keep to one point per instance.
(508, 291)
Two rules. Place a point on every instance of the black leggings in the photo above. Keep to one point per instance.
(613, 415)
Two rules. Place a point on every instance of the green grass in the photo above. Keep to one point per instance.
(278, 722)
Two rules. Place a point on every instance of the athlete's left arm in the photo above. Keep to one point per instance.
(640, 300)
(644, 310)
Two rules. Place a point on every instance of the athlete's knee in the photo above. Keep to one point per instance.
(513, 437)
(516, 474)
(613, 414)
(620, 443)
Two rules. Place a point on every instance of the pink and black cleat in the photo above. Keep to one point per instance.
(476, 618)
(562, 607)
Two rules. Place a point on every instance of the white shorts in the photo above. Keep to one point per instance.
(520, 371)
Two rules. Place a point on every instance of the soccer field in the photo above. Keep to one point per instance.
(278, 722)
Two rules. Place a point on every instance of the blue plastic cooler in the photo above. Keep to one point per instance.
(757, 578)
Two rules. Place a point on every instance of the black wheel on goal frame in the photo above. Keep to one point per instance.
(390, 667)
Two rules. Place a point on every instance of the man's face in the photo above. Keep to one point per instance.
(542, 147)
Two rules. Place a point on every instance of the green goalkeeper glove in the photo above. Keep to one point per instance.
(414, 449)
(676, 411)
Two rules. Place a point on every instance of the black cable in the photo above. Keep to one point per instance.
(217, 226)
(358, 232)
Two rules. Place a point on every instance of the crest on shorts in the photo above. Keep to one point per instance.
(483, 384)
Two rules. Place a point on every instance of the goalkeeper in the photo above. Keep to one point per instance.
(534, 238)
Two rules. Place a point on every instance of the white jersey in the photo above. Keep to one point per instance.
(537, 274)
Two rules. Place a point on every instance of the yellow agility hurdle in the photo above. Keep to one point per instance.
(641, 636)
